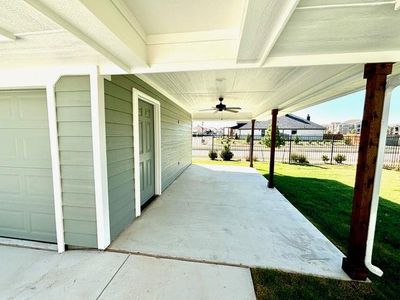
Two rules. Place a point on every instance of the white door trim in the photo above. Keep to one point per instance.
(55, 163)
(136, 96)
(100, 159)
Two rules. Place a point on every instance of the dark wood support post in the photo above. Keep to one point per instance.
(251, 157)
(376, 75)
(272, 151)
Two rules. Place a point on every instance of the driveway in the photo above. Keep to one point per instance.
(41, 274)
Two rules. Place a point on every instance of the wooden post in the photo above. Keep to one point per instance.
(376, 75)
(252, 143)
(272, 151)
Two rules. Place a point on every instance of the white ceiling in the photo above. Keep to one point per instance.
(283, 54)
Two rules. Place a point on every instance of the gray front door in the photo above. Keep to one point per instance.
(146, 149)
(26, 187)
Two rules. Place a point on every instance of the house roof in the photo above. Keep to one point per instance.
(286, 122)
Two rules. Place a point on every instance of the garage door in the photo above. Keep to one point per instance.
(26, 190)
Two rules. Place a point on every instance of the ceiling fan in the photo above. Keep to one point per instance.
(222, 107)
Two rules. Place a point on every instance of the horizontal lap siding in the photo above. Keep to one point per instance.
(76, 159)
(119, 138)
(176, 128)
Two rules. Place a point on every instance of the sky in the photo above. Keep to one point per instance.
(337, 110)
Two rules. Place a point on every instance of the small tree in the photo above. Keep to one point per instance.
(248, 138)
(297, 140)
(266, 140)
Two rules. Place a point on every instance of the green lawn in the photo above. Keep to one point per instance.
(324, 195)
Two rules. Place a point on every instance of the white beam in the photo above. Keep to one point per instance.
(43, 9)
(283, 17)
(344, 5)
(332, 59)
(6, 35)
(109, 15)
(264, 22)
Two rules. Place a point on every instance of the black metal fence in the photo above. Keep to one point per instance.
(332, 149)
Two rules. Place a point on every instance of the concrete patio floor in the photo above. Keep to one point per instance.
(41, 274)
(227, 215)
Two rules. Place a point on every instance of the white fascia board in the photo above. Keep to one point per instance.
(109, 15)
(47, 12)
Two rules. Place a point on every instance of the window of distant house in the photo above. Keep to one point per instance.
(294, 131)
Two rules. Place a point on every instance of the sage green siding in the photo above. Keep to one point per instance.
(76, 159)
(176, 130)
(120, 169)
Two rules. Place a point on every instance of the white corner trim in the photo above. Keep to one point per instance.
(136, 96)
(391, 85)
(55, 165)
(100, 159)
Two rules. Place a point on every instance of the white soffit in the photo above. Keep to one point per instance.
(177, 16)
(320, 27)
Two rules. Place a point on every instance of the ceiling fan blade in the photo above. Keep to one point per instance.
(208, 109)
(231, 110)
(232, 107)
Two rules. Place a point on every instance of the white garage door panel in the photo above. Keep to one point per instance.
(26, 191)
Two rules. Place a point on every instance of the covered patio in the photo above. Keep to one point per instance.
(227, 215)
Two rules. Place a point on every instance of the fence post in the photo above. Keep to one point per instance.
(212, 144)
(290, 148)
(333, 143)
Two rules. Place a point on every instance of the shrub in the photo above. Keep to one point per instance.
(325, 158)
(340, 158)
(298, 158)
(226, 154)
(297, 140)
(212, 154)
(347, 141)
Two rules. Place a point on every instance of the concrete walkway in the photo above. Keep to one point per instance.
(40, 274)
(227, 215)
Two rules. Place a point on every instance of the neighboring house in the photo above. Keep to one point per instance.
(233, 130)
(394, 129)
(84, 185)
(333, 127)
(288, 125)
(350, 127)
